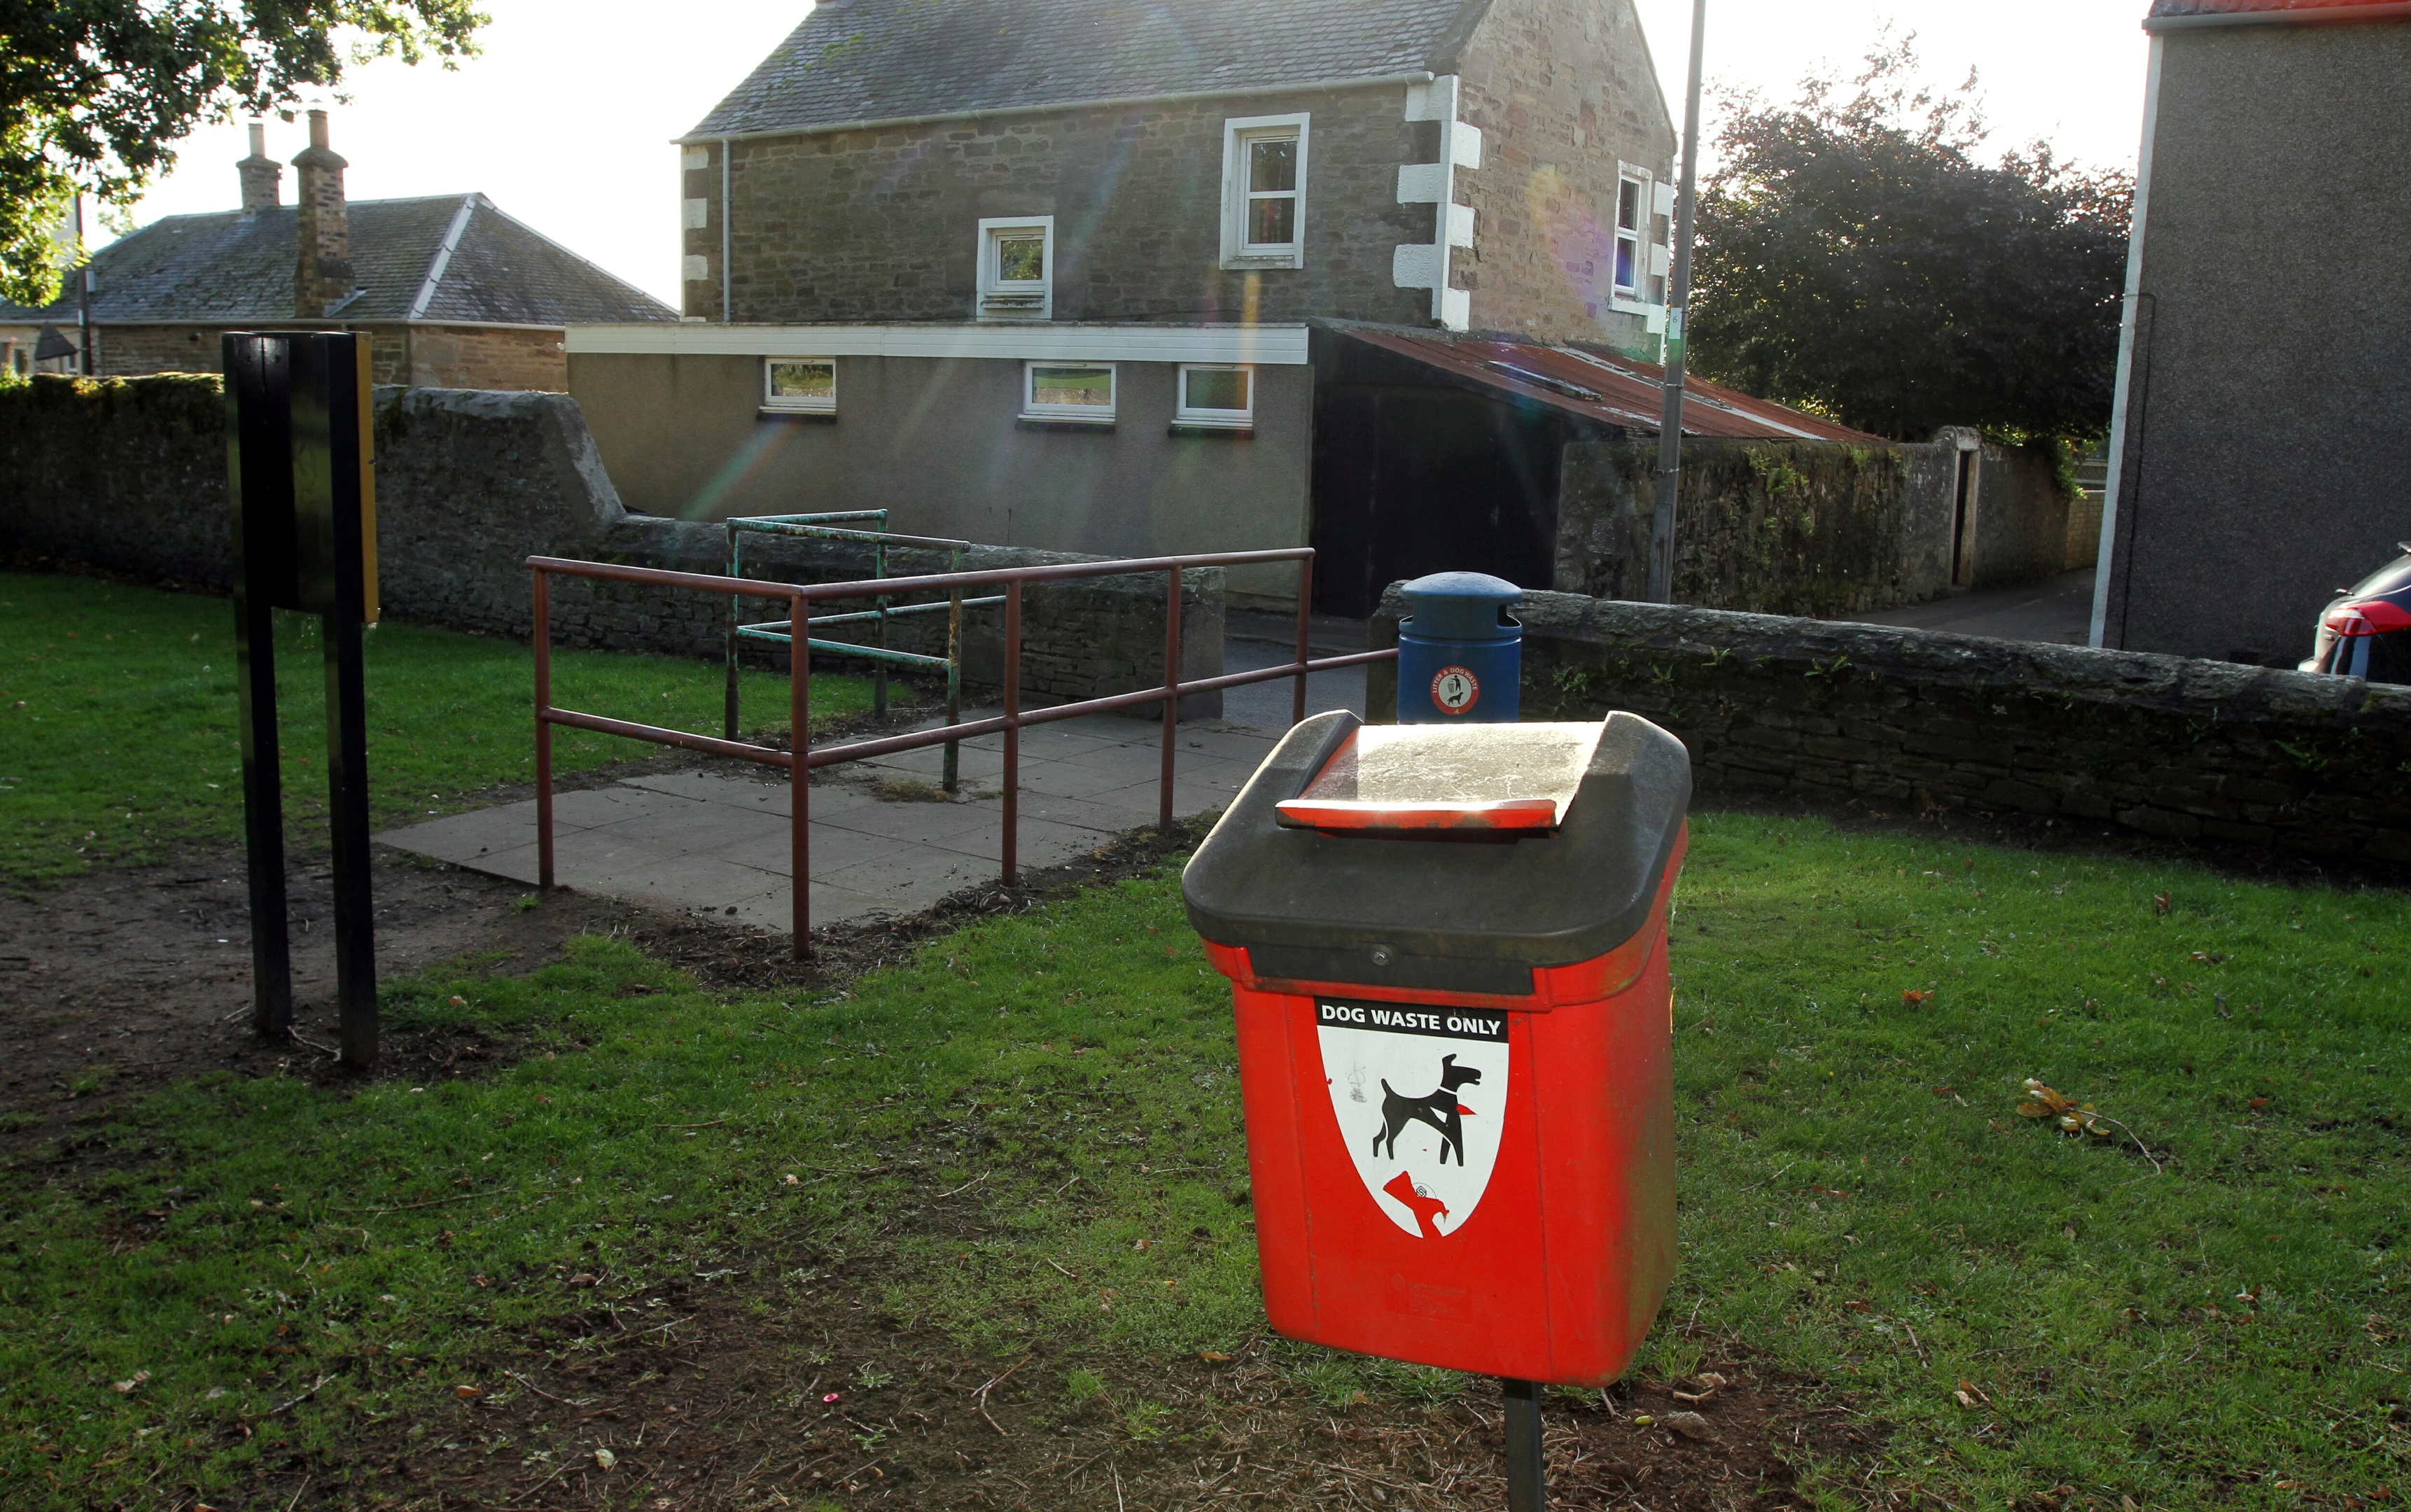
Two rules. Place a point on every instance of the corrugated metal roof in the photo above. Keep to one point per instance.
(2247, 8)
(886, 60)
(1602, 386)
(237, 268)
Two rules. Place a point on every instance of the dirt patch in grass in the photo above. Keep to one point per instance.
(694, 1396)
(117, 983)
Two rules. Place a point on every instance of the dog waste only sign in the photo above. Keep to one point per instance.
(1420, 1093)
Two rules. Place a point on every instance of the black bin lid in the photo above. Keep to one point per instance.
(1452, 857)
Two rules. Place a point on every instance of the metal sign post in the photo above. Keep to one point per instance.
(299, 465)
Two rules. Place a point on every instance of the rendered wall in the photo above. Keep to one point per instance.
(938, 443)
(1904, 721)
(2267, 456)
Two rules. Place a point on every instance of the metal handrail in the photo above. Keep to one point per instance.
(800, 760)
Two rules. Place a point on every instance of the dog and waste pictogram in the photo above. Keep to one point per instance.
(1447, 950)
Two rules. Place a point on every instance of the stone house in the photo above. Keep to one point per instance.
(1041, 273)
(452, 292)
(2261, 447)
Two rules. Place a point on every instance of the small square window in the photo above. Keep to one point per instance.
(1081, 392)
(1212, 394)
(802, 385)
(1264, 192)
(1016, 266)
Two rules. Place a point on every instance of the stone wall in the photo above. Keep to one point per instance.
(1563, 95)
(1814, 527)
(130, 475)
(882, 224)
(1805, 527)
(427, 357)
(1906, 722)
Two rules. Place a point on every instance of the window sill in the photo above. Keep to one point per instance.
(1259, 261)
(1205, 430)
(1057, 422)
(771, 412)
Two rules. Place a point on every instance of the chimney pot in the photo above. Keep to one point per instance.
(322, 274)
(262, 175)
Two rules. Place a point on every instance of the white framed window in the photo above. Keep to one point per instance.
(1219, 394)
(1081, 393)
(1633, 203)
(800, 386)
(1016, 269)
(1263, 191)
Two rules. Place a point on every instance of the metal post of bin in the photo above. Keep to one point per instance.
(1527, 1486)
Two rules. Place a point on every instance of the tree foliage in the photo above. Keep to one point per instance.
(1857, 256)
(95, 93)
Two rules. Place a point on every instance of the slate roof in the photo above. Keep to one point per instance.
(237, 268)
(2245, 7)
(883, 60)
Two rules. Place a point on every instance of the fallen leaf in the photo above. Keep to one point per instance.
(605, 1459)
(791, 1180)
(467, 1393)
(582, 1279)
(1965, 1400)
(122, 1388)
(1710, 1381)
(2162, 903)
(2258, 1103)
(1915, 995)
(1689, 1424)
(1213, 1356)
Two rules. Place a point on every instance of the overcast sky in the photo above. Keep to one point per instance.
(565, 120)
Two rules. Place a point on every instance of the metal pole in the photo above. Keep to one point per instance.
(1171, 696)
(951, 776)
(83, 293)
(260, 479)
(728, 699)
(1012, 725)
(1678, 298)
(799, 771)
(1304, 625)
(879, 607)
(1528, 1483)
(543, 730)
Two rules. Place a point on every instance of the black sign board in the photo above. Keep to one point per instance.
(301, 473)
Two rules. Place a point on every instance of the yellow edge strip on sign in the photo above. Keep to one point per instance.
(367, 484)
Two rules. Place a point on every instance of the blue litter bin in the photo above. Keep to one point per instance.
(1460, 657)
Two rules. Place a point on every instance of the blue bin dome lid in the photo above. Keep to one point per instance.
(1461, 607)
(1477, 586)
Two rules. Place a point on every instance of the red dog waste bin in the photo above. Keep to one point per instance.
(1447, 946)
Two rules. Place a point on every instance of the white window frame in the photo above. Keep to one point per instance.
(995, 292)
(1633, 297)
(1068, 413)
(788, 404)
(1239, 133)
(1182, 414)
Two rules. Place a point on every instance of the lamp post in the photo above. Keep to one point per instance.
(1678, 298)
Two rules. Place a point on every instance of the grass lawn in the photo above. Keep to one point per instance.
(993, 1129)
(118, 738)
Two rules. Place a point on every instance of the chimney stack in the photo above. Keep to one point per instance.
(322, 274)
(262, 175)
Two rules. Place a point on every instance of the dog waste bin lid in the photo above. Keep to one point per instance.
(1430, 777)
(1536, 845)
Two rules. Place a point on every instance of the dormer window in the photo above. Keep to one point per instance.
(1264, 192)
(1016, 269)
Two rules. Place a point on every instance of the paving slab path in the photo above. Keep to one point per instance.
(884, 839)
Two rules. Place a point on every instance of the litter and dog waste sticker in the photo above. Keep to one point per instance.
(1454, 689)
(1420, 1093)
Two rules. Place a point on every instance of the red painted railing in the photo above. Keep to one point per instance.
(800, 761)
